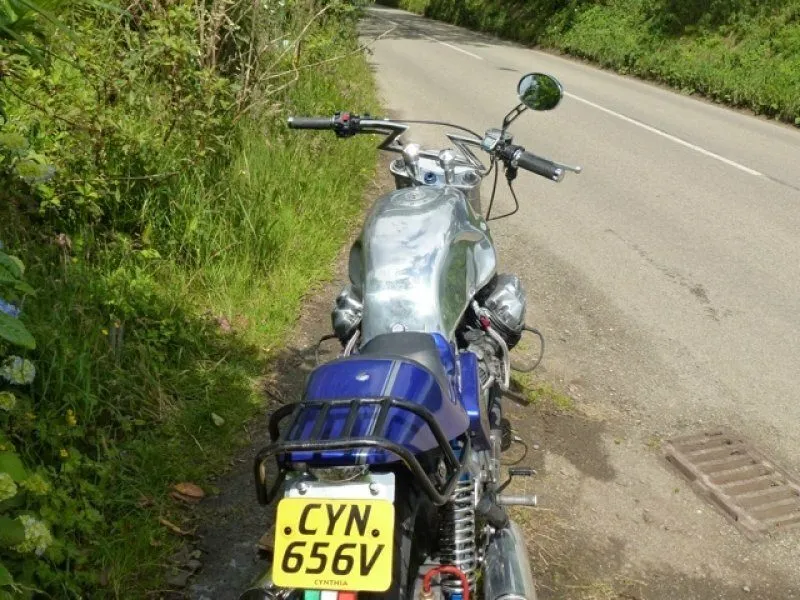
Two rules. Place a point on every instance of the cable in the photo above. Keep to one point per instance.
(351, 344)
(521, 442)
(538, 333)
(516, 204)
(494, 189)
(324, 338)
(449, 569)
(442, 123)
(491, 166)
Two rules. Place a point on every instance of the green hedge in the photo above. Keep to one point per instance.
(740, 52)
(159, 227)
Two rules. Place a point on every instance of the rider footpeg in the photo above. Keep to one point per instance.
(521, 472)
(529, 500)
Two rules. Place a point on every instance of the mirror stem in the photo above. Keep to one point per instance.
(513, 114)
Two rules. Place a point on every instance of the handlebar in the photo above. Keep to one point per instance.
(346, 125)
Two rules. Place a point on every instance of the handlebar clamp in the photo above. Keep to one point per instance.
(346, 125)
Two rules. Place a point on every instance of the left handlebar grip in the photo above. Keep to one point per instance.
(322, 123)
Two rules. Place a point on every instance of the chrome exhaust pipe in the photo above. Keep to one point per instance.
(506, 568)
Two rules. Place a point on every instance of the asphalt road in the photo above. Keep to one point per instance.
(667, 274)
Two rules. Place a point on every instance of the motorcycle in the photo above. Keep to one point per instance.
(388, 469)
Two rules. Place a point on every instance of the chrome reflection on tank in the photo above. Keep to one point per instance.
(423, 255)
(346, 315)
(432, 173)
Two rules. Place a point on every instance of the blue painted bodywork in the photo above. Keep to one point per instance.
(471, 400)
(455, 408)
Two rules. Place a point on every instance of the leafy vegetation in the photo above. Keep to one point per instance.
(170, 227)
(741, 52)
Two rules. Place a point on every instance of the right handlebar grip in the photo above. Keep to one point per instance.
(322, 123)
(540, 166)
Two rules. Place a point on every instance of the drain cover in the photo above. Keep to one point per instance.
(757, 495)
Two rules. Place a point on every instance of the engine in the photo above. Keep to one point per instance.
(505, 301)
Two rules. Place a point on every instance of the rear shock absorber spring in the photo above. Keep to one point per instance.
(457, 535)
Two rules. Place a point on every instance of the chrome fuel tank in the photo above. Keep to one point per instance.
(421, 257)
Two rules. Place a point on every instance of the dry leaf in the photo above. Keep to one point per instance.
(189, 489)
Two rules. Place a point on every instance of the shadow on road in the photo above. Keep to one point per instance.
(405, 26)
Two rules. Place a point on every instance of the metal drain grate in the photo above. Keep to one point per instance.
(757, 495)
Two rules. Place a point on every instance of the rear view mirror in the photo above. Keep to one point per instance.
(538, 91)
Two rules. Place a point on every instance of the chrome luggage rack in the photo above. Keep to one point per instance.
(373, 438)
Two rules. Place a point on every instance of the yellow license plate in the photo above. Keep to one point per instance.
(334, 544)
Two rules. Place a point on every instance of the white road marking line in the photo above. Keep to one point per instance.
(668, 136)
(456, 48)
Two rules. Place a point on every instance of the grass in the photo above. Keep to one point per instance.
(157, 341)
(564, 565)
(541, 393)
(742, 53)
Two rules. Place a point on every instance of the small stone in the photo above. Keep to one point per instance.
(646, 517)
(193, 564)
(746, 589)
(181, 557)
(536, 446)
(178, 578)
